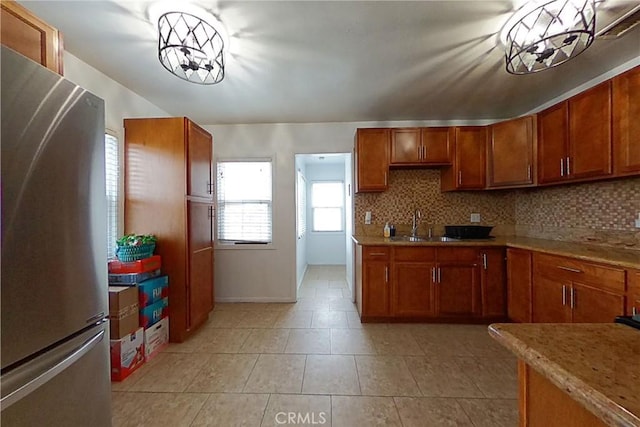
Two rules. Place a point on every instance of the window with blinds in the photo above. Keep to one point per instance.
(327, 201)
(244, 191)
(301, 206)
(112, 170)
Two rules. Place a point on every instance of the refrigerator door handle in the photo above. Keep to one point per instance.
(28, 378)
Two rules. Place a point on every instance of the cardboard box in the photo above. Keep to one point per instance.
(152, 290)
(156, 337)
(127, 355)
(131, 279)
(123, 311)
(154, 313)
(140, 266)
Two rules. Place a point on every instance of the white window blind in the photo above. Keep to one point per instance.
(112, 170)
(301, 207)
(244, 201)
(327, 201)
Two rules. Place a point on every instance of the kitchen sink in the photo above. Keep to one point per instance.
(423, 239)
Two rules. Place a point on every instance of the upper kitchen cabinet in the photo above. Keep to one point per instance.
(511, 153)
(372, 159)
(25, 33)
(626, 126)
(168, 193)
(200, 158)
(421, 146)
(469, 153)
(574, 137)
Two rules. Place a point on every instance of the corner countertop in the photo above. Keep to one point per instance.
(598, 365)
(625, 258)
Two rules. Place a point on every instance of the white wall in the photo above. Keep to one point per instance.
(301, 244)
(348, 211)
(270, 274)
(119, 101)
(324, 248)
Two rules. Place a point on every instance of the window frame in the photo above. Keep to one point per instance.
(231, 245)
(120, 192)
(301, 205)
(341, 207)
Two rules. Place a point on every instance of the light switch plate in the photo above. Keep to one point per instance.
(367, 217)
(475, 217)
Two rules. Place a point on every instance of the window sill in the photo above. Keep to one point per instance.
(249, 246)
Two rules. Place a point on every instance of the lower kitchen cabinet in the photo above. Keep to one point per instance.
(376, 289)
(457, 290)
(569, 290)
(412, 278)
(492, 282)
(519, 272)
(633, 292)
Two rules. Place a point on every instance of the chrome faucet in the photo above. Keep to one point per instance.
(414, 226)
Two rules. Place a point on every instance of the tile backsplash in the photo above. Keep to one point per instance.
(599, 213)
(411, 189)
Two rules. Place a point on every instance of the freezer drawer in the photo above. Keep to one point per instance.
(66, 386)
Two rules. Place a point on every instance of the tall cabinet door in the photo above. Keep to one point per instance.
(553, 134)
(200, 158)
(510, 149)
(590, 133)
(200, 288)
(626, 126)
(470, 157)
(372, 159)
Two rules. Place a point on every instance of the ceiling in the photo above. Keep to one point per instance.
(336, 61)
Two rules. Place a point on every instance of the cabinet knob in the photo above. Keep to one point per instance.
(561, 167)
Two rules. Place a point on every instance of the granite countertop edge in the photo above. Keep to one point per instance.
(596, 402)
(625, 258)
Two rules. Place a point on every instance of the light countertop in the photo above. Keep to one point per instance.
(598, 365)
(626, 258)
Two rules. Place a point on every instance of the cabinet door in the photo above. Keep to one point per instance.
(591, 305)
(25, 33)
(375, 292)
(633, 293)
(550, 300)
(510, 154)
(411, 294)
(437, 145)
(457, 290)
(200, 158)
(519, 285)
(405, 146)
(590, 133)
(470, 157)
(492, 283)
(200, 286)
(626, 126)
(553, 134)
(372, 159)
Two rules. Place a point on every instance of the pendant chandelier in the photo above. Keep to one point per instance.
(190, 48)
(550, 34)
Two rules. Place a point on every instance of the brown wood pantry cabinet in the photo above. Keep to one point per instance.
(169, 193)
(27, 34)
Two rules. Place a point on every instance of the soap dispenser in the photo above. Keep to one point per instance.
(387, 230)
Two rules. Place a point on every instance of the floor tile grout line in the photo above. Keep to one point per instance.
(244, 386)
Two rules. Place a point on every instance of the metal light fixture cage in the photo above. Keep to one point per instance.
(190, 48)
(550, 35)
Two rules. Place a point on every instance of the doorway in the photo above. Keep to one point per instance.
(324, 214)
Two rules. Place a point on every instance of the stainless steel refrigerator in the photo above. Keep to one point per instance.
(54, 297)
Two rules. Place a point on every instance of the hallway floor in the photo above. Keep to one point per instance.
(314, 363)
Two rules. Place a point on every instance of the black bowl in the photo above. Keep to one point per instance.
(467, 231)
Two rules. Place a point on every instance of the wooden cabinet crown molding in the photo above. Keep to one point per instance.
(30, 36)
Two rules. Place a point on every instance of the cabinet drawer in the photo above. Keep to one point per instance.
(458, 254)
(377, 253)
(414, 254)
(602, 276)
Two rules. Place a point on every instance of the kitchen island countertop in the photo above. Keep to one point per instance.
(598, 365)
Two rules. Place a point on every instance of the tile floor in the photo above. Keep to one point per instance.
(314, 363)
